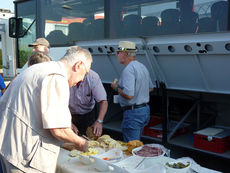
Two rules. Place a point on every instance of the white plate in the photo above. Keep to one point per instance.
(113, 155)
(151, 145)
(86, 159)
(104, 166)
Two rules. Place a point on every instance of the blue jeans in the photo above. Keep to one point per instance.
(134, 122)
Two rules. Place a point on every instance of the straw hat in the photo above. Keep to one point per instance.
(127, 46)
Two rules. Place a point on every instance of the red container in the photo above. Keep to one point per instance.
(218, 143)
(156, 131)
(154, 120)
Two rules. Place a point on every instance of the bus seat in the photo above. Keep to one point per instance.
(99, 28)
(57, 37)
(96, 29)
(76, 32)
(131, 25)
(206, 24)
(149, 26)
(170, 21)
(189, 22)
(219, 13)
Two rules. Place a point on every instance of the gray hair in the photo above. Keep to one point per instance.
(132, 54)
(75, 54)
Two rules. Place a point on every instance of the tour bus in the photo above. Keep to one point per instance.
(184, 44)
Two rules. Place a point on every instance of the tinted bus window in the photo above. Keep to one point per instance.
(70, 21)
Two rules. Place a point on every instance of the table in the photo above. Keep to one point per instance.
(67, 164)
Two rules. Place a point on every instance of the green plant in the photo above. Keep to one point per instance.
(23, 57)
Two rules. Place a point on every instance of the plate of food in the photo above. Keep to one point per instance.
(84, 156)
(149, 151)
(178, 166)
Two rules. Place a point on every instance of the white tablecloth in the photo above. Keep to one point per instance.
(67, 164)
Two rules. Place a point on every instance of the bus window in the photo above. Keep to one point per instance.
(70, 21)
(149, 18)
(80, 20)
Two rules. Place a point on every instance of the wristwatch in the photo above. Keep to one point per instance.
(100, 121)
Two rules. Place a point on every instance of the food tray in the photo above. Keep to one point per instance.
(159, 147)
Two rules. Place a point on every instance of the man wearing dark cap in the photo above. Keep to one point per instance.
(41, 44)
(133, 88)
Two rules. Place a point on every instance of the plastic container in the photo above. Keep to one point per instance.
(113, 155)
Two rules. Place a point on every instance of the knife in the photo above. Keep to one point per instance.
(140, 163)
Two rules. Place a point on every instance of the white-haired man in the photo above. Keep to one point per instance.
(133, 88)
(35, 117)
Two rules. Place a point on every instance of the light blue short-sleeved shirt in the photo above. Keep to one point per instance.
(84, 95)
(135, 81)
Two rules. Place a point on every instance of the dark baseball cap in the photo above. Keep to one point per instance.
(40, 41)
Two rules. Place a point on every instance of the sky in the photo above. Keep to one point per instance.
(7, 4)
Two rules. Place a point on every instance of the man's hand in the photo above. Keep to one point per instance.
(67, 135)
(97, 128)
(83, 146)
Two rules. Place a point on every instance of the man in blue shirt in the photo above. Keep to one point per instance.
(83, 99)
(133, 88)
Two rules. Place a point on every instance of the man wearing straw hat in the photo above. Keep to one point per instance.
(133, 88)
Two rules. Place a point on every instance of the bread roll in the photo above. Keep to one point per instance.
(134, 144)
(104, 138)
(92, 144)
(90, 134)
